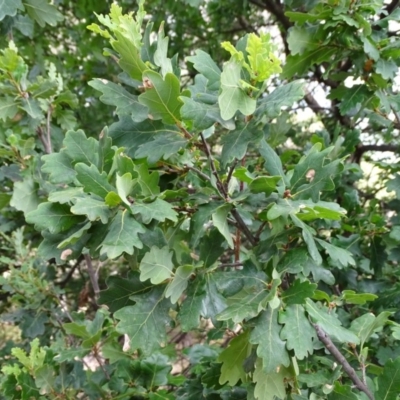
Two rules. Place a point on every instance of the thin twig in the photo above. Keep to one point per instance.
(198, 172)
(220, 185)
(92, 275)
(231, 169)
(235, 264)
(48, 131)
(339, 357)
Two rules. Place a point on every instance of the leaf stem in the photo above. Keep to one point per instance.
(339, 357)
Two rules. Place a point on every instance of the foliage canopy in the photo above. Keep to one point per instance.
(199, 200)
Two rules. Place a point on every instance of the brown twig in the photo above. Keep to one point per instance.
(339, 357)
(92, 275)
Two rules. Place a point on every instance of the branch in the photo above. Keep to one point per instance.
(92, 275)
(360, 150)
(221, 188)
(339, 357)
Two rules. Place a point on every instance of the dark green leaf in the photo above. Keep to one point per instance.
(145, 322)
(389, 381)
(298, 292)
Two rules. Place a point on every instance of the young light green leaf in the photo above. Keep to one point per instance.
(92, 181)
(159, 210)
(145, 322)
(232, 359)
(263, 62)
(156, 265)
(122, 236)
(297, 331)
(270, 348)
(351, 297)
(220, 221)
(330, 323)
(233, 97)
(162, 97)
(178, 285)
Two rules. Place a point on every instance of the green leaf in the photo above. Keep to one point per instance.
(43, 12)
(220, 221)
(52, 216)
(283, 96)
(78, 231)
(92, 181)
(202, 300)
(45, 379)
(81, 149)
(130, 60)
(330, 323)
(264, 184)
(394, 184)
(161, 54)
(308, 236)
(116, 95)
(159, 210)
(270, 348)
(8, 107)
(389, 381)
(124, 186)
(243, 305)
(314, 174)
(233, 97)
(93, 208)
(269, 386)
(10, 8)
(25, 195)
(162, 97)
(204, 64)
(145, 322)
(273, 163)
(148, 182)
(202, 116)
(342, 392)
(301, 38)
(237, 141)
(232, 359)
(122, 235)
(298, 292)
(156, 265)
(59, 167)
(387, 68)
(162, 147)
(297, 331)
(350, 97)
(367, 324)
(351, 297)
(118, 292)
(340, 257)
(178, 285)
